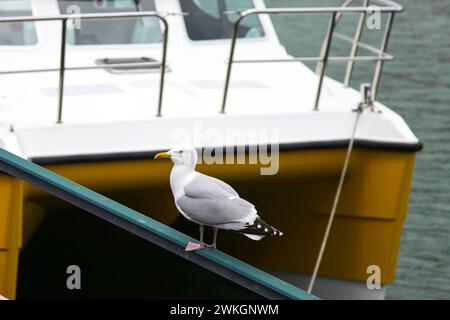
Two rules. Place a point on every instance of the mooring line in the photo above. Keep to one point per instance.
(336, 198)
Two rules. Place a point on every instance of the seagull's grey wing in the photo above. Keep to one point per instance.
(206, 187)
(235, 213)
(226, 187)
(210, 201)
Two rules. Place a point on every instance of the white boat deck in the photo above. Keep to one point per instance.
(114, 113)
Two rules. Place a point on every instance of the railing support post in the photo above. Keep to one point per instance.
(324, 58)
(230, 62)
(355, 45)
(62, 69)
(163, 65)
(338, 17)
(379, 66)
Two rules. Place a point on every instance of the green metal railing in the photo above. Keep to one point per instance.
(149, 229)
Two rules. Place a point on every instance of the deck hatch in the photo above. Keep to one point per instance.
(143, 64)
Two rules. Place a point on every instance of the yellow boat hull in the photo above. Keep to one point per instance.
(297, 200)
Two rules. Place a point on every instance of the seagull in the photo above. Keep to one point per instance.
(208, 201)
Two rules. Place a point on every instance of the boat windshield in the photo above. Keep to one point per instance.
(17, 33)
(140, 30)
(213, 19)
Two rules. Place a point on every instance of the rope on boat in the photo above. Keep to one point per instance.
(365, 90)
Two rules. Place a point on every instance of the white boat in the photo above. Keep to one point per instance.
(136, 77)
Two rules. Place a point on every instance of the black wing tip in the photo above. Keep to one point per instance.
(262, 228)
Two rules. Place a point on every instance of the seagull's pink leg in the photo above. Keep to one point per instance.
(191, 246)
(214, 244)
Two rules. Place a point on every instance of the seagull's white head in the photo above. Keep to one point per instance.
(180, 156)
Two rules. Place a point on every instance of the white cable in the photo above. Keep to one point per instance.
(336, 201)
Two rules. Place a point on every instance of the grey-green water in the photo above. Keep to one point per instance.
(417, 86)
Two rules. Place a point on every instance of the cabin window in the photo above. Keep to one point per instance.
(139, 30)
(17, 33)
(212, 19)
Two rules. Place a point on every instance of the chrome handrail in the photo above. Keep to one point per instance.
(62, 67)
(388, 7)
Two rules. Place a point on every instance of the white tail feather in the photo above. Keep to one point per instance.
(253, 236)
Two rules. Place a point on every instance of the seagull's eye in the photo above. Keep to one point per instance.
(180, 153)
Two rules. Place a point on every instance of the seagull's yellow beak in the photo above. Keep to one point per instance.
(162, 155)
